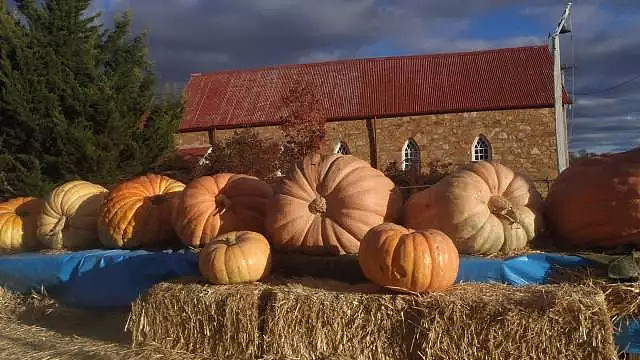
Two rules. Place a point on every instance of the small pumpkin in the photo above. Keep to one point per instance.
(328, 203)
(407, 260)
(596, 202)
(18, 223)
(70, 216)
(137, 213)
(485, 208)
(235, 257)
(218, 204)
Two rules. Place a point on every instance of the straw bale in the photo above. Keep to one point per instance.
(622, 298)
(217, 321)
(470, 321)
(343, 268)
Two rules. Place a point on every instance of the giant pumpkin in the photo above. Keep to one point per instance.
(235, 257)
(326, 205)
(137, 213)
(70, 216)
(596, 202)
(485, 208)
(218, 204)
(399, 258)
(18, 221)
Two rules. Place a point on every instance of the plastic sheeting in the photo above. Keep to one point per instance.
(115, 278)
(95, 278)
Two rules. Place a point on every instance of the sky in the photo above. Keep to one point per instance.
(188, 36)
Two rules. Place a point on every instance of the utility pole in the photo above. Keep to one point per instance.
(562, 141)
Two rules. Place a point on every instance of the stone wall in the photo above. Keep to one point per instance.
(523, 140)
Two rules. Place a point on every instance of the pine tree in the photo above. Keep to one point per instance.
(76, 99)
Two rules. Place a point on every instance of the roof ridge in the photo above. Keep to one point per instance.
(365, 59)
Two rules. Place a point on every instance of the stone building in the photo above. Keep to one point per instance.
(460, 107)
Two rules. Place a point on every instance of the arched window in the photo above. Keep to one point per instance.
(410, 155)
(342, 148)
(481, 149)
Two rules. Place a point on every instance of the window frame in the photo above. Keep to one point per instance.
(411, 143)
(489, 151)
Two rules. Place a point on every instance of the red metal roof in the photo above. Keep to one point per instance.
(377, 87)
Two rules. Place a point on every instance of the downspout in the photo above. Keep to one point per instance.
(373, 145)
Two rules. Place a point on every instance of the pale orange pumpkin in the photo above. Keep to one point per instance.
(235, 257)
(70, 216)
(328, 203)
(407, 260)
(137, 213)
(221, 203)
(485, 208)
(18, 223)
(596, 202)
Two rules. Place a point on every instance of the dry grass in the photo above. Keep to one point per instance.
(36, 327)
(221, 322)
(324, 319)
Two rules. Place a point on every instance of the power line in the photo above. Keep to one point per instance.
(608, 89)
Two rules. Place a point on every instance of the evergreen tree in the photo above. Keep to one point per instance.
(76, 99)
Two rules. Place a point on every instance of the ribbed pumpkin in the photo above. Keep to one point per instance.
(418, 261)
(328, 203)
(596, 202)
(485, 208)
(137, 213)
(18, 222)
(70, 216)
(218, 204)
(235, 257)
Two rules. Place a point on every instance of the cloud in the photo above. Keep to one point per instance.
(187, 36)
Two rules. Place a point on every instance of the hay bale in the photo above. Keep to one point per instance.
(217, 321)
(343, 268)
(471, 321)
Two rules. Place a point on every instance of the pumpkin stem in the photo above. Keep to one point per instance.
(318, 205)
(502, 208)
(56, 233)
(159, 199)
(222, 204)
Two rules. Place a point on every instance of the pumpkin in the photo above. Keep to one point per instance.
(407, 260)
(235, 257)
(485, 208)
(18, 222)
(137, 213)
(218, 204)
(327, 203)
(70, 216)
(596, 202)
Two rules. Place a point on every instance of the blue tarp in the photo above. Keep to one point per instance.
(114, 278)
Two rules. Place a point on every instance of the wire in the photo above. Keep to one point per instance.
(608, 89)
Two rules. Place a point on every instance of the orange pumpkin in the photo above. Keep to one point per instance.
(235, 257)
(70, 216)
(485, 208)
(596, 202)
(328, 203)
(137, 213)
(221, 203)
(416, 261)
(18, 223)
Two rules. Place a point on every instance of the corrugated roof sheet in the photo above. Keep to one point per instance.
(377, 87)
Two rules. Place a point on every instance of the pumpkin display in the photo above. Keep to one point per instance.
(69, 218)
(18, 222)
(596, 202)
(218, 204)
(235, 257)
(407, 260)
(327, 203)
(485, 208)
(137, 213)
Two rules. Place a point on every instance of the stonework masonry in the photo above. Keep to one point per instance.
(522, 139)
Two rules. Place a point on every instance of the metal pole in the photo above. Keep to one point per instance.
(561, 121)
